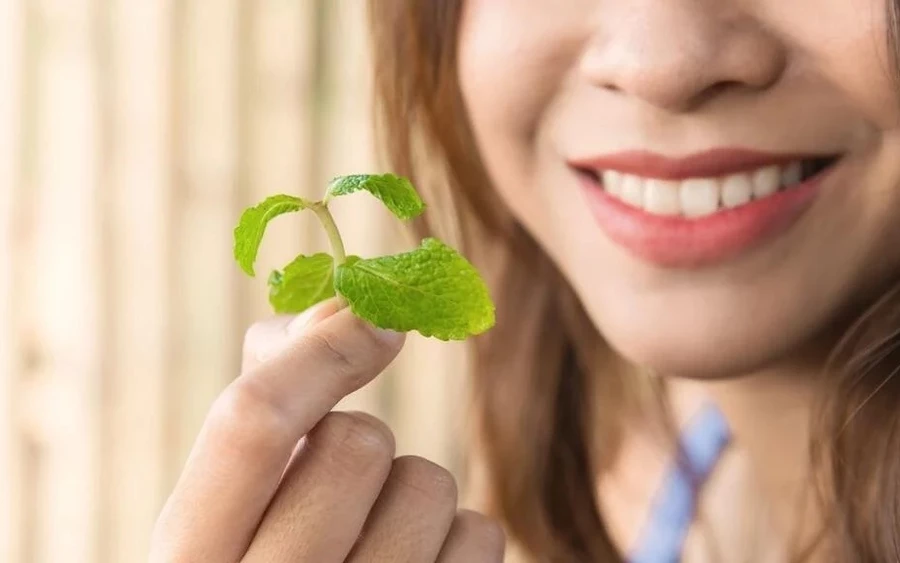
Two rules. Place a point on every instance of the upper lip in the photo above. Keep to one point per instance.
(706, 164)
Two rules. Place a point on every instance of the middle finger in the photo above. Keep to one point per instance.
(326, 494)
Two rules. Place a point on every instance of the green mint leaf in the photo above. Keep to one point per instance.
(250, 230)
(432, 289)
(397, 193)
(303, 283)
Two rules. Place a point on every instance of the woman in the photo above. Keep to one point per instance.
(688, 211)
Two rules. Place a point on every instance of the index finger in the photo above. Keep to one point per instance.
(250, 433)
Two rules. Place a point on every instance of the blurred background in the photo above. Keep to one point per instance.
(132, 134)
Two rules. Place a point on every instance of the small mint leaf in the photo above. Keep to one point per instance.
(249, 233)
(397, 193)
(432, 289)
(303, 283)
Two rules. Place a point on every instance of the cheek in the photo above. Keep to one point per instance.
(513, 64)
(846, 43)
(514, 56)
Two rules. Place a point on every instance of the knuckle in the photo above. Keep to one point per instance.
(350, 349)
(357, 442)
(261, 341)
(342, 351)
(429, 478)
(254, 336)
(243, 419)
(484, 532)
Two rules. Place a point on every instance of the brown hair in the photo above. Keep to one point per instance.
(539, 431)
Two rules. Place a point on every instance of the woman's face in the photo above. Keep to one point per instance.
(718, 179)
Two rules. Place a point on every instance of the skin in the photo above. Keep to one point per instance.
(545, 82)
(275, 476)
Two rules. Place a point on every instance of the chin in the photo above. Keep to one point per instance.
(697, 350)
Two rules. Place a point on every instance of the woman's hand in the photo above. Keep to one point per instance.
(276, 477)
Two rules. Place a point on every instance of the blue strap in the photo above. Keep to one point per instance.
(702, 444)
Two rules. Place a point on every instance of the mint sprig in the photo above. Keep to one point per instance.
(432, 289)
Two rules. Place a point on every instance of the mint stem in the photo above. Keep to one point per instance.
(334, 238)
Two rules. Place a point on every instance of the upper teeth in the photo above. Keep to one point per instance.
(696, 197)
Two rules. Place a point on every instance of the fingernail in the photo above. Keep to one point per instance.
(311, 317)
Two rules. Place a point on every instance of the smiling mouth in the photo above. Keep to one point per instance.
(702, 209)
(699, 196)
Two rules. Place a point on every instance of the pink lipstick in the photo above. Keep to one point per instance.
(679, 241)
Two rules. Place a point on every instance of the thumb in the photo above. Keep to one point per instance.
(269, 338)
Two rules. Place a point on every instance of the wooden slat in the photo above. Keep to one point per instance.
(139, 272)
(12, 22)
(347, 143)
(279, 103)
(22, 318)
(430, 401)
(205, 325)
(65, 286)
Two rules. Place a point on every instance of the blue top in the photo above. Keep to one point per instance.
(701, 445)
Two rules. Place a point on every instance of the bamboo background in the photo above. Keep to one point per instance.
(132, 134)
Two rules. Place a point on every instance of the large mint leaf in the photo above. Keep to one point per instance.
(432, 289)
(303, 283)
(397, 193)
(250, 230)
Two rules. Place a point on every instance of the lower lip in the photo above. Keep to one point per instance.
(679, 242)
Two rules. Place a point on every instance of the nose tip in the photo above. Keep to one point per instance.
(676, 63)
(675, 85)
